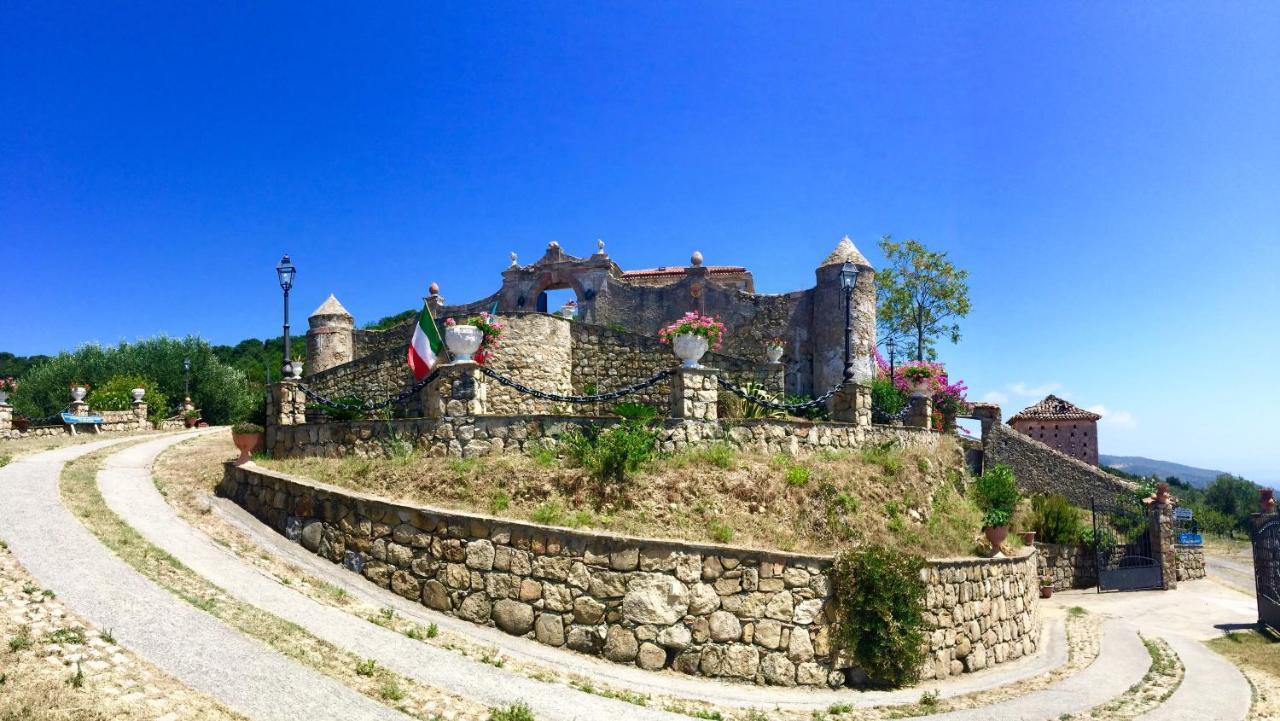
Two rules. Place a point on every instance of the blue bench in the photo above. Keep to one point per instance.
(72, 420)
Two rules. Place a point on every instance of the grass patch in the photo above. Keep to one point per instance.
(1253, 648)
(515, 712)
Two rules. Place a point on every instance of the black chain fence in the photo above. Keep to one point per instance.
(744, 394)
(369, 406)
(594, 398)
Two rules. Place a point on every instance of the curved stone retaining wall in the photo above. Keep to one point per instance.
(1070, 566)
(746, 615)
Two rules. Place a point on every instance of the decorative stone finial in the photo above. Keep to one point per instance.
(553, 245)
(599, 246)
(513, 259)
(434, 288)
(696, 259)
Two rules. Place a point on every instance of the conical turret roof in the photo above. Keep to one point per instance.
(845, 252)
(331, 306)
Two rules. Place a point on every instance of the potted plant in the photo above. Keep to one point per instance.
(7, 386)
(475, 338)
(246, 437)
(569, 309)
(1028, 538)
(191, 418)
(773, 350)
(1046, 586)
(996, 494)
(691, 336)
(919, 378)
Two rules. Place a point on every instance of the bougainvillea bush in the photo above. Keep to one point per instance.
(890, 392)
(694, 323)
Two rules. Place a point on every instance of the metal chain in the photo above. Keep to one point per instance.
(370, 406)
(611, 395)
(746, 396)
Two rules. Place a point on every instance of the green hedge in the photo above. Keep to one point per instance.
(117, 395)
(879, 597)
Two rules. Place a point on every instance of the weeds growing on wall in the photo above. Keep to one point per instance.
(611, 456)
(879, 598)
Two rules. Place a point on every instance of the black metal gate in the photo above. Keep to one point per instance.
(1266, 544)
(1122, 544)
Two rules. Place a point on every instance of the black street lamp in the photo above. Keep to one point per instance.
(186, 376)
(285, 271)
(893, 346)
(848, 278)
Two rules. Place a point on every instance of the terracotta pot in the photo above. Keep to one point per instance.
(246, 443)
(1267, 500)
(190, 422)
(996, 536)
(1028, 538)
(1046, 592)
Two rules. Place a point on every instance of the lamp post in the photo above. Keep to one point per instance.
(285, 272)
(186, 377)
(893, 346)
(848, 278)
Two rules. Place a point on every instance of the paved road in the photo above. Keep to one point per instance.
(1234, 570)
(191, 645)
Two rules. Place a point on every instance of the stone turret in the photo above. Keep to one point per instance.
(829, 315)
(329, 337)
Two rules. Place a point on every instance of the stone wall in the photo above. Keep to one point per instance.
(731, 613)
(470, 436)
(1070, 566)
(134, 419)
(1189, 561)
(1041, 469)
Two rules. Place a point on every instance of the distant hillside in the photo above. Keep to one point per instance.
(1199, 477)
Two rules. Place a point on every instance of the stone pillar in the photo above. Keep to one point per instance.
(851, 404)
(140, 414)
(6, 418)
(288, 406)
(187, 405)
(460, 390)
(78, 408)
(1161, 530)
(919, 412)
(694, 394)
(434, 300)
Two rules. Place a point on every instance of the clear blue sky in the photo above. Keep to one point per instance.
(1108, 172)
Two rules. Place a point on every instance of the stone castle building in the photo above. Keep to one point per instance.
(1062, 426)
(634, 304)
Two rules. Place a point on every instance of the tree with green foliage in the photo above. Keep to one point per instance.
(1233, 497)
(919, 297)
(117, 395)
(16, 366)
(220, 391)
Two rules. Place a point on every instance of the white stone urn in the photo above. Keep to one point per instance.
(773, 353)
(297, 370)
(4, 398)
(689, 348)
(138, 393)
(463, 341)
(78, 393)
(569, 310)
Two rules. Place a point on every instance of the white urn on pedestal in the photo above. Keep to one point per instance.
(689, 348)
(138, 393)
(773, 353)
(463, 341)
(921, 387)
(297, 370)
(78, 393)
(4, 398)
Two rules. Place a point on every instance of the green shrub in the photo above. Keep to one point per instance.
(117, 395)
(636, 411)
(884, 455)
(887, 401)
(755, 410)
(514, 712)
(367, 667)
(220, 391)
(549, 513)
(879, 599)
(996, 493)
(814, 413)
(612, 455)
(719, 531)
(345, 408)
(1055, 520)
(1103, 538)
(797, 475)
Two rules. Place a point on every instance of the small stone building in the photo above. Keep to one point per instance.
(1061, 425)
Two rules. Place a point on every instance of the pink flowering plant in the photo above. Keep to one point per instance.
(775, 343)
(694, 323)
(8, 385)
(889, 394)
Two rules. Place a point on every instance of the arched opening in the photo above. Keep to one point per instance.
(557, 300)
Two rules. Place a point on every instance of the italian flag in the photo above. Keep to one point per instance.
(425, 346)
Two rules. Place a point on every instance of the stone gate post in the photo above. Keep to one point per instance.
(919, 412)
(288, 405)
(774, 377)
(140, 414)
(694, 394)
(6, 418)
(1161, 530)
(460, 390)
(851, 404)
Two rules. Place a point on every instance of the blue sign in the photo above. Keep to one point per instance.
(72, 418)
(1190, 539)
